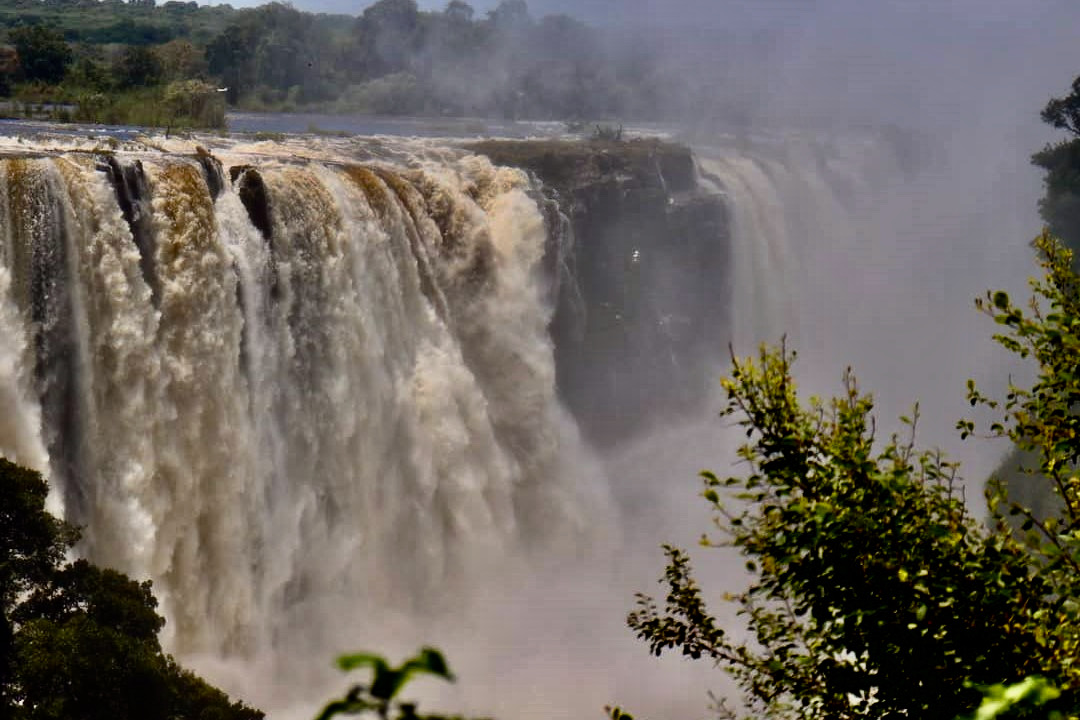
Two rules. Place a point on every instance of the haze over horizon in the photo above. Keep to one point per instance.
(890, 61)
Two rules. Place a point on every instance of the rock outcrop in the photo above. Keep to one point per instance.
(644, 315)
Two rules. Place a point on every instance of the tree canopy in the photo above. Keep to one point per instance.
(79, 641)
(43, 53)
(1060, 205)
(874, 592)
(393, 58)
(1064, 112)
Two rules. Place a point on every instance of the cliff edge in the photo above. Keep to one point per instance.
(643, 314)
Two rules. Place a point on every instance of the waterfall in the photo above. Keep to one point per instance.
(308, 388)
(263, 381)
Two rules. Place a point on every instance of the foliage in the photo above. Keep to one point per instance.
(1064, 112)
(138, 67)
(874, 592)
(395, 58)
(1043, 423)
(380, 697)
(1031, 697)
(125, 23)
(180, 60)
(388, 36)
(195, 103)
(43, 53)
(396, 94)
(79, 641)
(1060, 206)
(273, 46)
(32, 544)
(181, 104)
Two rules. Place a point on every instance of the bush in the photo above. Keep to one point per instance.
(78, 641)
(875, 594)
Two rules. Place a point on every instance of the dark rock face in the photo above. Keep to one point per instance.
(133, 196)
(644, 316)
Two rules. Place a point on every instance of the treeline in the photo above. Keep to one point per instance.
(113, 21)
(392, 59)
(396, 59)
(1060, 206)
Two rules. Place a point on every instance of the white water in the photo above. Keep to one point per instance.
(302, 435)
(863, 257)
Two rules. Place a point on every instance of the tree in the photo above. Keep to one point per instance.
(229, 57)
(380, 696)
(510, 16)
(273, 46)
(388, 35)
(138, 67)
(180, 60)
(32, 545)
(1064, 112)
(459, 11)
(43, 54)
(1060, 206)
(874, 593)
(194, 102)
(78, 641)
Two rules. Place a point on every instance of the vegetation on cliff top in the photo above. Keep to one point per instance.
(392, 59)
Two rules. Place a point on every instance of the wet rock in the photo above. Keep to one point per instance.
(645, 316)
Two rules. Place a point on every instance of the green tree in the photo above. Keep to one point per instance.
(194, 102)
(389, 34)
(1060, 205)
(1064, 112)
(510, 16)
(43, 53)
(78, 641)
(229, 57)
(459, 11)
(874, 593)
(274, 47)
(181, 60)
(138, 67)
(32, 545)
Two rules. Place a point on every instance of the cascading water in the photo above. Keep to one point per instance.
(314, 399)
(352, 398)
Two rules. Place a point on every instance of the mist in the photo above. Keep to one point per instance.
(895, 140)
(875, 160)
(930, 112)
(891, 140)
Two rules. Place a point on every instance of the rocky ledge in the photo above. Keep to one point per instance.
(644, 315)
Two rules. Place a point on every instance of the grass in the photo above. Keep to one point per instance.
(143, 107)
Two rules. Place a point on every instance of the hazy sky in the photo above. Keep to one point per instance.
(962, 62)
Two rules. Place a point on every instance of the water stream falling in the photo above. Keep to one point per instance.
(356, 399)
(308, 389)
